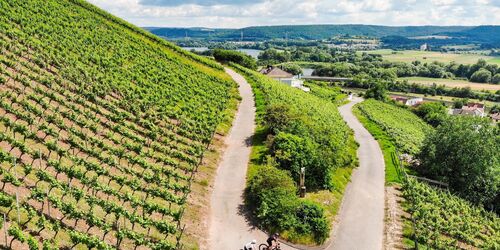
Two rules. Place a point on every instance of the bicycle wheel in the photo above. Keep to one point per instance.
(263, 246)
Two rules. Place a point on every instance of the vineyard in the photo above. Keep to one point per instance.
(445, 221)
(407, 129)
(102, 128)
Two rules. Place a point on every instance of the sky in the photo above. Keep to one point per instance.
(244, 13)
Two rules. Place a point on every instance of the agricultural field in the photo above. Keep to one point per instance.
(431, 56)
(407, 130)
(451, 83)
(102, 128)
(445, 221)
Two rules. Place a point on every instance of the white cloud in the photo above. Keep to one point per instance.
(242, 13)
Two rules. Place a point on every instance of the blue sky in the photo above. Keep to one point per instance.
(243, 13)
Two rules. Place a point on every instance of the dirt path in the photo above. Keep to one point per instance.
(361, 217)
(228, 227)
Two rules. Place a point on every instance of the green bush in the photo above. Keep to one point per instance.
(273, 195)
(481, 76)
(496, 79)
(227, 56)
(292, 68)
(377, 91)
(465, 153)
(292, 152)
(432, 112)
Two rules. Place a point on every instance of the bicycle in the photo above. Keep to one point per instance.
(264, 246)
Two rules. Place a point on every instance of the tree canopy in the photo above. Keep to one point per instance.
(465, 153)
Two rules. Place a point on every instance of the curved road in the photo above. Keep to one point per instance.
(228, 226)
(361, 217)
(360, 221)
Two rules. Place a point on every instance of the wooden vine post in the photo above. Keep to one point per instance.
(302, 182)
(5, 229)
(17, 205)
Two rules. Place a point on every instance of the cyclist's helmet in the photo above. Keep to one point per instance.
(276, 235)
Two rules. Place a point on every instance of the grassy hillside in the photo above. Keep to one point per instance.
(102, 127)
(407, 130)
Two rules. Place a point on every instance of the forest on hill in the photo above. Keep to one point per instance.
(393, 36)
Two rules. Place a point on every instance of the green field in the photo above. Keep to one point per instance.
(431, 56)
(451, 83)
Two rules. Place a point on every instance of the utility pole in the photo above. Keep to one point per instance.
(286, 39)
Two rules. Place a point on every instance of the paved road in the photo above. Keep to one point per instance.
(361, 217)
(228, 227)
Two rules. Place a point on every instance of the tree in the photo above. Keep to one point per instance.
(459, 103)
(377, 91)
(481, 76)
(432, 112)
(496, 79)
(226, 56)
(464, 152)
(292, 68)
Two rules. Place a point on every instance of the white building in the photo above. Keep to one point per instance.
(408, 101)
(284, 77)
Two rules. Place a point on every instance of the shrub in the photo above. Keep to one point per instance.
(481, 76)
(496, 79)
(292, 152)
(312, 221)
(378, 92)
(432, 112)
(273, 194)
(227, 56)
(292, 68)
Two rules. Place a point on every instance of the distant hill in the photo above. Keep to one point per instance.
(309, 32)
(489, 36)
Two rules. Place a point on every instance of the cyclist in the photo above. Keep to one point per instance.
(250, 245)
(272, 241)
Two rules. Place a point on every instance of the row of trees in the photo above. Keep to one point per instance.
(349, 64)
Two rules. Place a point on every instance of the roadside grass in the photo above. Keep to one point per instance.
(386, 145)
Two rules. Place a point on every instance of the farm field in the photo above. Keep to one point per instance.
(431, 56)
(99, 145)
(452, 83)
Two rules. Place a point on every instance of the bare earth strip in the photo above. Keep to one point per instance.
(361, 217)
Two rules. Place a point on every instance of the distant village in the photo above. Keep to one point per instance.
(470, 109)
